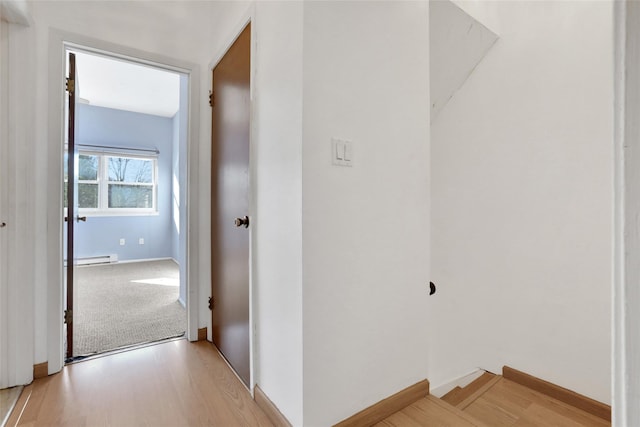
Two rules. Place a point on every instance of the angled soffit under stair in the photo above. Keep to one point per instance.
(458, 42)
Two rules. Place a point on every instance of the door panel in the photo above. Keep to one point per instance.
(230, 200)
(72, 191)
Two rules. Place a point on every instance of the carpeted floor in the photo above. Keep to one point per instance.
(118, 305)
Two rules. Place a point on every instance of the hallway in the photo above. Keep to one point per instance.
(176, 383)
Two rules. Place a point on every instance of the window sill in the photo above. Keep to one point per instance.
(96, 214)
(116, 214)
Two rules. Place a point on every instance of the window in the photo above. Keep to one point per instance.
(115, 184)
(88, 181)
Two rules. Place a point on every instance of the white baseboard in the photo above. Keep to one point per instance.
(462, 381)
(125, 261)
(129, 261)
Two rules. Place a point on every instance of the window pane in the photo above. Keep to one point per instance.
(122, 169)
(88, 195)
(88, 167)
(130, 196)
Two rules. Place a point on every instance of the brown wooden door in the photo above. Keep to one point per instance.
(230, 205)
(72, 199)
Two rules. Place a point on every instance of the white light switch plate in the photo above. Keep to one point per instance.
(341, 152)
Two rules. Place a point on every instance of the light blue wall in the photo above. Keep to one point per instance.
(101, 235)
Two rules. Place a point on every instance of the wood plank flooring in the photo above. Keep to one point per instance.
(511, 404)
(493, 401)
(178, 383)
(171, 384)
(8, 398)
(427, 412)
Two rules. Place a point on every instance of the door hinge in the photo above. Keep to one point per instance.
(71, 85)
(211, 303)
(68, 317)
(211, 98)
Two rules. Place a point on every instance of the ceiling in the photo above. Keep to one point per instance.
(115, 83)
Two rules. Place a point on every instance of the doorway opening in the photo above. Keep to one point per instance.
(125, 203)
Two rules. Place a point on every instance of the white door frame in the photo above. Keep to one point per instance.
(626, 284)
(59, 42)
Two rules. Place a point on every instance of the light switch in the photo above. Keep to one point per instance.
(348, 151)
(341, 152)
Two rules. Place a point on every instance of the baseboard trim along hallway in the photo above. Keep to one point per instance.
(269, 408)
(514, 398)
(560, 393)
(386, 407)
(202, 334)
(40, 370)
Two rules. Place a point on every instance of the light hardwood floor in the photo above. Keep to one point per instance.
(171, 384)
(495, 403)
(508, 403)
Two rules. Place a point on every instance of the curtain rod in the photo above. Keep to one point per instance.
(143, 150)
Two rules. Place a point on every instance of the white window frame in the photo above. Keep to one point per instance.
(103, 182)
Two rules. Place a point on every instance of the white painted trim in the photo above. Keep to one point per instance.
(248, 16)
(59, 41)
(626, 275)
(618, 401)
(5, 366)
(461, 381)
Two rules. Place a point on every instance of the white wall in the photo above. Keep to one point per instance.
(360, 289)
(366, 227)
(277, 204)
(17, 161)
(16, 173)
(521, 201)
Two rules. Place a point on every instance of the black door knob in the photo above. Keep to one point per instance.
(239, 222)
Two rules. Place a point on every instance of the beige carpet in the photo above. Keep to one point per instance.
(119, 305)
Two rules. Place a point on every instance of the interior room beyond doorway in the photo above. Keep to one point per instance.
(129, 252)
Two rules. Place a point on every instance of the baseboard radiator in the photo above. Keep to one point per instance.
(102, 259)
